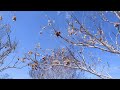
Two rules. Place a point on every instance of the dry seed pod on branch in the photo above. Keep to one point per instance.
(44, 58)
(30, 52)
(1, 18)
(56, 62)
(14, 18)
(37, 54)
(66, 62)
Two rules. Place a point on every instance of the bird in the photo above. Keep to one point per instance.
(58, 33)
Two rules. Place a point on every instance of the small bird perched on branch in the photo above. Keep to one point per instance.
(57, 34)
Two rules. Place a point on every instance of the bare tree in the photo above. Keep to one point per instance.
(80, 34)
(60, 63)
(7, 46)
(82, 37)
(5, 76)
(55, 65)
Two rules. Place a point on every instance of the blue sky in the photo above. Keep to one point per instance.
(26, 30)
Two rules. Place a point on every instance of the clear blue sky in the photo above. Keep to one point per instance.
(26, 30)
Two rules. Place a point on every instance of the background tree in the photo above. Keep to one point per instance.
(7, 46)
(5, 76)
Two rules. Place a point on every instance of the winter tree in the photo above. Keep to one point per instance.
(84, 34)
